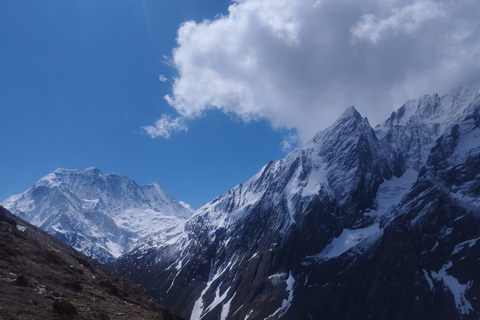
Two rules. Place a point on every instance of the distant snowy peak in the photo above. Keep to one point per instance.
(112, 189)
(103, 215)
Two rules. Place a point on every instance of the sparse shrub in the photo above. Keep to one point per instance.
(64, 307)
(21, 281)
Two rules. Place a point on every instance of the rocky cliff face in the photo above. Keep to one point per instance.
(425, 264)
(100, 215)
(344, 226)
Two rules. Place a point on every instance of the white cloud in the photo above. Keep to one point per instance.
(162, 78)
(407, 19)
(186, 206)
(165, 126)
(290, 142)
(300, 63)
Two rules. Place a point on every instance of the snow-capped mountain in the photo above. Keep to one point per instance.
(101, 215)
(424, 262)
(360, 223)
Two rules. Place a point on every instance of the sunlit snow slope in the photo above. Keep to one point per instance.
(103, 216)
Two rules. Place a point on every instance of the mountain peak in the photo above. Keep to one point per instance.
(92, 169)
(350, 118)
(155, 184)
(111, 212)
(350, 112)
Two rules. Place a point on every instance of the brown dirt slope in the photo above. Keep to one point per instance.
(43, 278)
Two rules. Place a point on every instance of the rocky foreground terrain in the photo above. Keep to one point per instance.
(43, 278)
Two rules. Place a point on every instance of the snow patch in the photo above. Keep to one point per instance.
(392, 191)
(218, 299)
(459, 247)
(199, 307)
(277, 278)
(114, 249)
(456, 288)
(286, 303)
(226, 309)
(317, 177)
(248, 315)
(347, 240)
(429, 280)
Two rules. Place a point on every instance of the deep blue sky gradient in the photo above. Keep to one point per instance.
(78, 80)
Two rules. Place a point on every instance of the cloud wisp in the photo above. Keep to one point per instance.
(300, 63)
(162, 78)
(165, 126)
(290, 142)
(186, 206)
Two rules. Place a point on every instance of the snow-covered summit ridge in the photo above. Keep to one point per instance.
(410, 132)
(103, 215)
(444, 110)
(113, 189)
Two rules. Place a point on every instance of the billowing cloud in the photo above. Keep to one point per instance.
(300, 63)
(165, 126)
(407, 20)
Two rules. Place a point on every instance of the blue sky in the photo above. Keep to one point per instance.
(80, 78)
(80, 87)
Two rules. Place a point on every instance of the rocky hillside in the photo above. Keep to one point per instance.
(43, 278)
